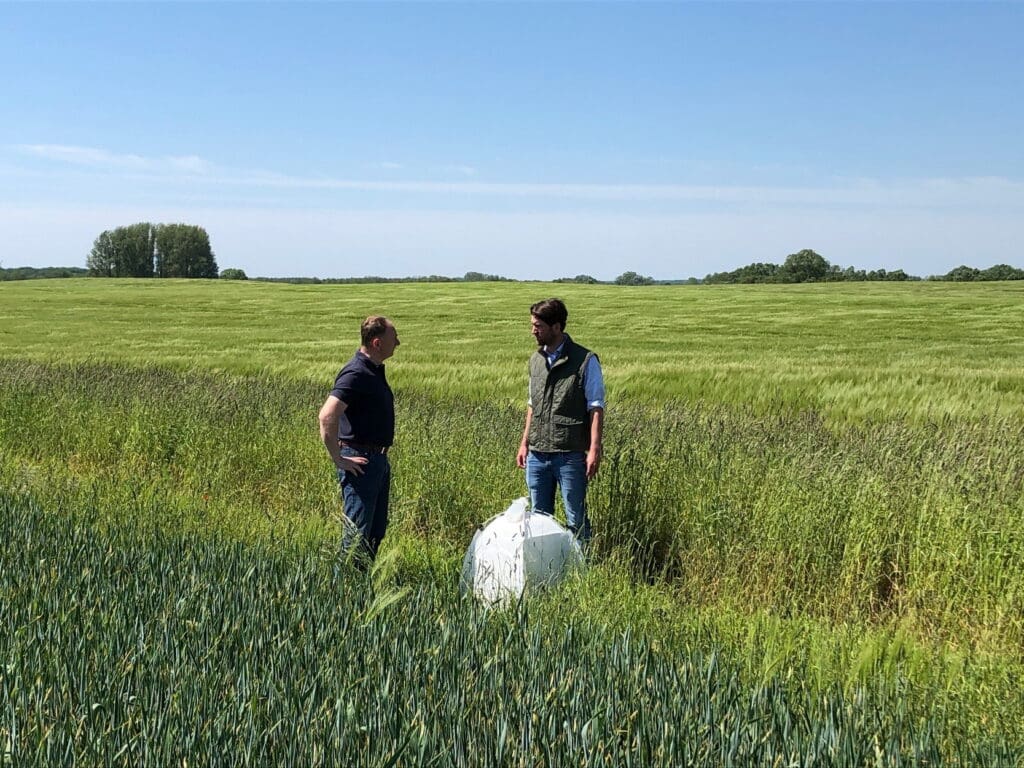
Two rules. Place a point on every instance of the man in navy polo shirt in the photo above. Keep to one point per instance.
(357, 426)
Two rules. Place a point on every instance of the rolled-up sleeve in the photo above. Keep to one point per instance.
(593, 384)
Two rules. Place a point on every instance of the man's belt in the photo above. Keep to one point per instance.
(363, 447)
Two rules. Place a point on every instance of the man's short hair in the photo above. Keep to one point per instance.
(551, 311)
(374, 327)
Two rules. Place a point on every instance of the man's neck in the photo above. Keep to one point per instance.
(372, 355)
(549, 348)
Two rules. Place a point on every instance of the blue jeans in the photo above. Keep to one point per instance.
(365, 499)
(569, 472)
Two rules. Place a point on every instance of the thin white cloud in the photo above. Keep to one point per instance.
(947, 193)
(461, 170)
(899, 193)
(104, 160)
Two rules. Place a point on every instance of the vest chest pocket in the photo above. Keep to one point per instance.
(566, 421)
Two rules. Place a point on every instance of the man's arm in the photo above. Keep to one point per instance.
(524, 445)
(330, 415)
(594, 453)
(593, 384)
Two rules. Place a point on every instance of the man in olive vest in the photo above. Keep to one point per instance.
(561, 443)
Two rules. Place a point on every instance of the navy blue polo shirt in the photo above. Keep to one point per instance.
(369, 415)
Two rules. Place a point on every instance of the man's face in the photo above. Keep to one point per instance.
(542, 332)
(386, 344)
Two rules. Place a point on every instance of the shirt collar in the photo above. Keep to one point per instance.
(367, 360)
(554, 354)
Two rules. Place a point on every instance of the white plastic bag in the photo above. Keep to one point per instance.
(517, 551)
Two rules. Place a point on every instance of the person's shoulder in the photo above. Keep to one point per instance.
(353, 369)
(579, 349)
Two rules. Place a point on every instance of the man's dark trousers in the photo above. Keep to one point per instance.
(365, 498)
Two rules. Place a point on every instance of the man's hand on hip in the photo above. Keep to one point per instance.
(353, 464)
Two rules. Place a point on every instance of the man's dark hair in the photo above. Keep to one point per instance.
(374, 327)
(551, 311)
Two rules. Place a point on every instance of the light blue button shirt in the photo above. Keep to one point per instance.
(593, 379)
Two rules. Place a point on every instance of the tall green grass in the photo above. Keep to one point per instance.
(136, 647)
(840, 557)
(885, 521)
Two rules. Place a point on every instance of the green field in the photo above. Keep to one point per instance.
(809, 513)
(869, 350)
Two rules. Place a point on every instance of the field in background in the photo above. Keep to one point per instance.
(821, 486)
(922, 350)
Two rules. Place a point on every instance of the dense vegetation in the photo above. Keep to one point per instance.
(806, 266)
(152, 250)
(808, 528)
(34, 273)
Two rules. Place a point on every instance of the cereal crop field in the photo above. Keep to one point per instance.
(807, 549)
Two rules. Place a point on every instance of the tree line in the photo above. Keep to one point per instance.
(33, 273)
(806, 266)
(152, 250)
(183, 250)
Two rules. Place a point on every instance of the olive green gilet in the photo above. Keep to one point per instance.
(560, 421)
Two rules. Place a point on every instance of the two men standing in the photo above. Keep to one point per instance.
(561, 443)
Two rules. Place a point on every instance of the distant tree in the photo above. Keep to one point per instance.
(716, 278)
(804, 266)
(233, 274)
(183, 250)
(480, 277)
(123, 252)
(587, 279)
(32, 273)
(962, 274)
(632, 278)
(757, 272)
(1001, 272)
(852, 274)
(102, 259)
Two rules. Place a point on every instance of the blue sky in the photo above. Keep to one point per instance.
(532, 140)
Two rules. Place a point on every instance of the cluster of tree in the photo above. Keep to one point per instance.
(632, 278)
(469, 277)
(626, 278)
(31, 273)
(965, 274)
(480, 277)
(804, 266)
(152, 250)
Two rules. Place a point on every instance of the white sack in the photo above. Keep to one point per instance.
(517, 551)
